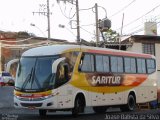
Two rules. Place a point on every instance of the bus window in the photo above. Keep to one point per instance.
(99, 63)
(141, 65)
(102, 63)
(87, 63)
(151, 66)
(130, 65)
(116, 64)
(62, 75)
(71, 59)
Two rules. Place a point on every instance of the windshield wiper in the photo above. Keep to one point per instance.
(28, 78)
(36, 80)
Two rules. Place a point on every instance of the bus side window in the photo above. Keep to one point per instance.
(87, 63)
(141, 65)
(81, 62)
(151, 66)
(62, 75)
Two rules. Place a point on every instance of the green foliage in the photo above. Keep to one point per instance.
(111, 36)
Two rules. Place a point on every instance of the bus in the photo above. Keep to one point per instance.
(72, 77)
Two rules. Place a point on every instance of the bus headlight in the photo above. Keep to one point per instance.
(49, 96)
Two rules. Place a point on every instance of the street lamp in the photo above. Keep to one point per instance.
(63, 26)
(38, 29)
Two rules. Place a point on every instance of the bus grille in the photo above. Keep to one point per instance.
(32, 99)
(31, 104)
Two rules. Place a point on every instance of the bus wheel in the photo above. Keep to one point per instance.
(78, 107)
(101, 109)
(42, 112)
(131, 104)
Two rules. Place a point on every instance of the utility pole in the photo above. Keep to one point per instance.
(97, 24)
(48, 18)
(76, 3)
(78, 27)
(45, 13)
(121, 32)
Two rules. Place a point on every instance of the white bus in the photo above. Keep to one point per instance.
(72, 77)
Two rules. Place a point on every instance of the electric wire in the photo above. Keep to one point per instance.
(66, 15)
(86, 9)
(122, 9)
(141, 29)
(156, 17)
(139, 17)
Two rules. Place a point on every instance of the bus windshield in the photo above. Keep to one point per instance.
(35, 74)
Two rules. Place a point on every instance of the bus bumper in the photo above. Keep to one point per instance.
(49, 103)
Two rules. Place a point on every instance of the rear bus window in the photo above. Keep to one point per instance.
(151, 66)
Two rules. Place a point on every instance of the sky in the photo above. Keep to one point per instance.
(17, 15)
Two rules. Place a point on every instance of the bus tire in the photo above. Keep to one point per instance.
(99, 109)
(42, 112)
(78, 106)
(131, 104)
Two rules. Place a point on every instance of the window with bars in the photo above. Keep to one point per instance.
(148, 48)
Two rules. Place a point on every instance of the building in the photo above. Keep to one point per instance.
(13, 44)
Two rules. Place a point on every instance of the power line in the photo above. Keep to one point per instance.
(156, 17)
(139, 17)
(92, 24)
(89, 32)
(70, 13)
(65, 14)
(122, 9)
(86, 9)
(141, 29)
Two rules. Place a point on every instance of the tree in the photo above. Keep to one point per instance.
(111, 36)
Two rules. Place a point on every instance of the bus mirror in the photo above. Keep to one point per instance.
(8, 65)
(55, 64)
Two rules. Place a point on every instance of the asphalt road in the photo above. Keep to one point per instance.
(6, 96)
(111, 114)
(8, 112)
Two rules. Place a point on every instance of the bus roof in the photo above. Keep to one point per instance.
(58, 49)
(48, 50)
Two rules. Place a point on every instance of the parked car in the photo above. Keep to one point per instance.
(6, 78)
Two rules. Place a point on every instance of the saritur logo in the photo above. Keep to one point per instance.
(105, 80)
